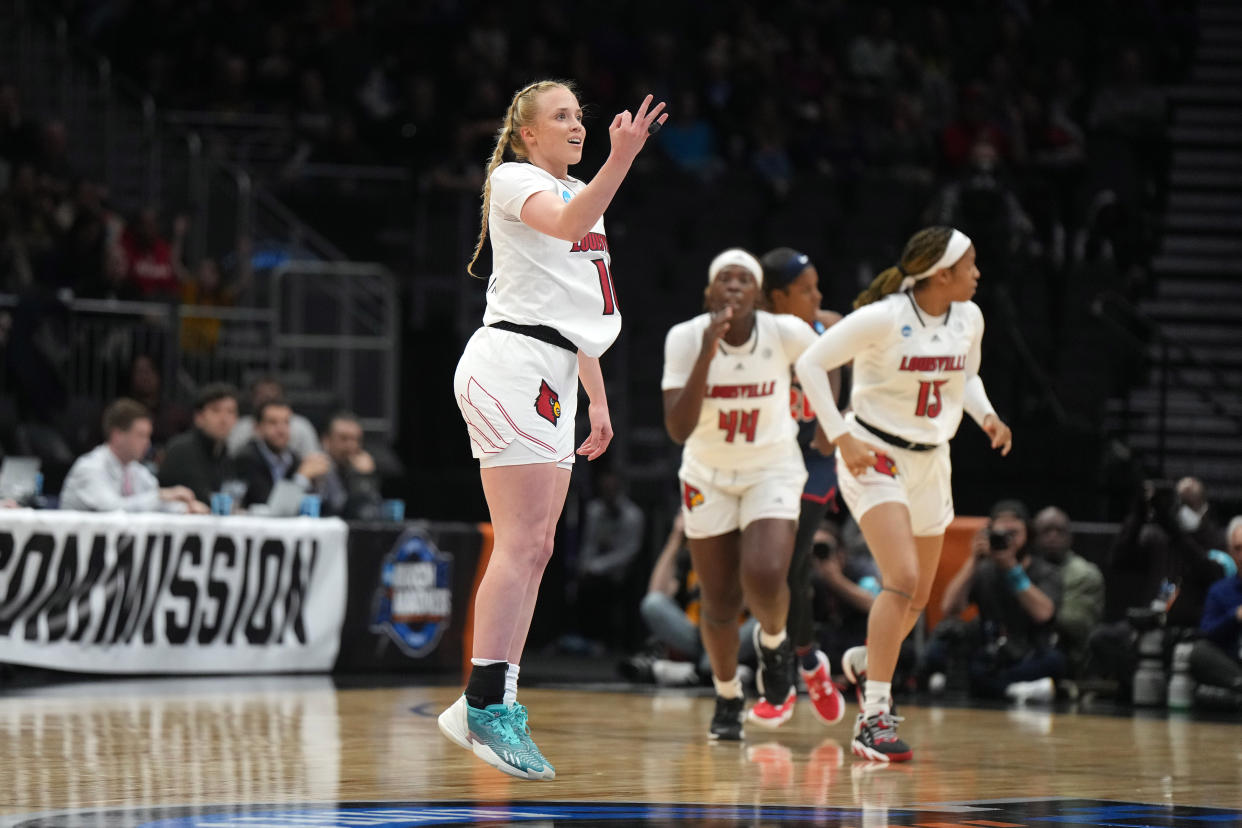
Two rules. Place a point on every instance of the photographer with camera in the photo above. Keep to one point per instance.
(1159, 576)
(1017, 594)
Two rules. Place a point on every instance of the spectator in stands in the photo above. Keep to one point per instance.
(153, 263)
(1082, 586)
(168, 417)
(612, 534)
(267, 458)
(1152, 559)
(303, 440)
(690, 141)
(199, 458)
(873, 54)
(350, 487)
(984, 204)
(200, 334)
(1216, 660)
(112, 477)
(670, 609)
(1018, 595)
(1194, 516)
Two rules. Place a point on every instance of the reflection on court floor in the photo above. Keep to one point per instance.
(300, 752)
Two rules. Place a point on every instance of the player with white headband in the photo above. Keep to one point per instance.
(914, 339)
(726, 398)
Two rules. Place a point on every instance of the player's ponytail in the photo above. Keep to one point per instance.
(922, 251)
(521, 112)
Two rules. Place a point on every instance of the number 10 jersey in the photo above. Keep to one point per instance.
(539, 279)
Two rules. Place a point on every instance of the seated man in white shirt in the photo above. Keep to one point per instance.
(110, 478)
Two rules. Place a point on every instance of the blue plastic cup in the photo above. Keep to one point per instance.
(221, 503)
(393, 510)
(310, 506)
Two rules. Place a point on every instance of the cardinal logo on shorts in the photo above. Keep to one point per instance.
(692, 496)
(548, 403)
(885, 464)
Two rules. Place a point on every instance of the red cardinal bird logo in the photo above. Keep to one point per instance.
(885, 464)
(548, 403)
(692, 496)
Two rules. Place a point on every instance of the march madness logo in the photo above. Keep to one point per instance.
(414, 601)
(692, 496)
(548, 403)
(885, 464)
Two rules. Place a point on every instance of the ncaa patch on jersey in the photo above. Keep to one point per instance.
(565, 196)
(906, 330)
(414, 600)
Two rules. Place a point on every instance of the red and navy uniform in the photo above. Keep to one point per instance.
(821, 481)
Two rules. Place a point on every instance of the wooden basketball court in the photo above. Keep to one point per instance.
(244, 751)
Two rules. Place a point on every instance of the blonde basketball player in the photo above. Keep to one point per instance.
(915, 343)
(551, 312)
(726, 398)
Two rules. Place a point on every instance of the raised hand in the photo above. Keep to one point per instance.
(717, 328)
(628, 133)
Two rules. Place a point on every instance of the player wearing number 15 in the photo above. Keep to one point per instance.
(915, 342)
(726, 398)
(551, 312)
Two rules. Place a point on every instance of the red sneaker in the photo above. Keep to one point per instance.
(769, 714)
(826, 699)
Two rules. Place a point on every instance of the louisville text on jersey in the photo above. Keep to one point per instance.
(590, 242)
(753, 389)
(933, 363)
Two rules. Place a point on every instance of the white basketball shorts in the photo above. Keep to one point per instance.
(518, 396)
(718, 501)
(919, 479)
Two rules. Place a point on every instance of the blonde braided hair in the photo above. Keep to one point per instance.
(521, 112)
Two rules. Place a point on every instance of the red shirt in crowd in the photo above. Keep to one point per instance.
(150, 267)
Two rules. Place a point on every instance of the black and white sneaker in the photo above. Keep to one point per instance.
(875, 738)
(727, 720)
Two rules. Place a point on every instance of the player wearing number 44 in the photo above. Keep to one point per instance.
(726, 398)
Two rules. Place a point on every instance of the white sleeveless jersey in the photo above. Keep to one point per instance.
(541, 280)
(744, 422)
(910, 369)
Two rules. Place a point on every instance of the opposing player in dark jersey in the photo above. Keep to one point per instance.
(791, 286)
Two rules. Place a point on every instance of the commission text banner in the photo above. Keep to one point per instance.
(151, 593)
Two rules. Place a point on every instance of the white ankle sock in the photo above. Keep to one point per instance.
(511, 677)
(771, 642)
(730, 689)
(877, 697)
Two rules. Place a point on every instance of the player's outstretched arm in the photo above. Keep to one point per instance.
(547, 213)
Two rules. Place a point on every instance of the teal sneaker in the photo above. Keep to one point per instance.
(492, 735)
(522, 725)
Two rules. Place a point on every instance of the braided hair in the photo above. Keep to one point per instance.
(521, 112)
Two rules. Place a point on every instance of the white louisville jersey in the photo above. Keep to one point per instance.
(909, 380)
(538, 279)
(744, 422)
